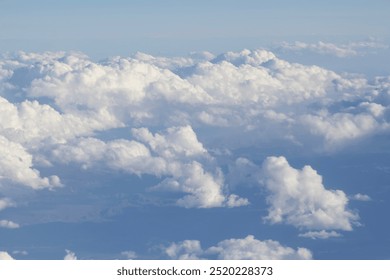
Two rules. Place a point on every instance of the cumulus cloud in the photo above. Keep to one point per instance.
(185, 250)
(299, 198)
(5, 256)
(171, 155)
(177, 142)
(16, 166)
(58, 108)
(248, 248)
(8, 224)
(340, 127)
(70, 256)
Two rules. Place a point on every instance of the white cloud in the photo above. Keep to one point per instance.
(5, 256)
(57, 108)
(361, 197)
(343, 50)
(248, 248)
(70, 256)
(323, 234)
(299, 198)
(178, 142)
(8, 224)
(130, 255)
(16, 166)
(5, 203)
(322, 48)
(172, 155)
(185, 250)
(340, 128)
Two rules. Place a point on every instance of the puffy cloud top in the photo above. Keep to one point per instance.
(58, 108)
(248, 248)
(298, 197)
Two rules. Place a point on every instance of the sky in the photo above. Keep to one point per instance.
(194, 129)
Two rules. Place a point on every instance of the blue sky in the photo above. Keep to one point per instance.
(203, 129)
(104, 28)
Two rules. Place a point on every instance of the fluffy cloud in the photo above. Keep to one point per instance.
(8, 224)
(5, 256)
(58, 108)
(340, 127)
(16, 166)
(171, 155)
(178, 142)
(185, 250)
(254, 90)
(248, 248)
(70, 256)
(299, 198)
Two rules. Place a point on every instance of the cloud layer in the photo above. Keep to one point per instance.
(186, 122)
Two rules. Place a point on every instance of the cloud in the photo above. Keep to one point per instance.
(323, 234)
(248, 248)
(299, 198)
(5, 203)
(340, 127)
(361, 197)
(129, 255)
(70, 256)
(344, 50)
(185, 250)
(16, 166)
(5, 256)
(59, 109)
(173, 155)
(8, 224)
(177, 142)
(247, 90)
(18, 252)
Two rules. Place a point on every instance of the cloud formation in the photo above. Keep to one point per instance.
(299, 198)
(16, 166)
(63, 108)
(248, 248)
(174, 155)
